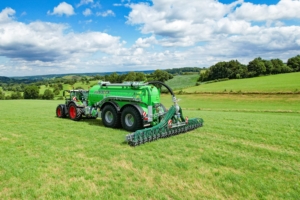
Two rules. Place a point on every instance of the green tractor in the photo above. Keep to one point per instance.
(133, 106)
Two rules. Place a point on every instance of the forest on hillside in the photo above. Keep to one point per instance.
(257, 67)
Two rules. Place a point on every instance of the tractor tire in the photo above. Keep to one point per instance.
(60, 111)
(131, 119)
(75, 113)
(110, 117)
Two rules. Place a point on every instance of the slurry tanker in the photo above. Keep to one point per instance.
(133, 106)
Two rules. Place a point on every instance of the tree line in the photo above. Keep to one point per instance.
(257, 67)
(183, 70)
(54, 86)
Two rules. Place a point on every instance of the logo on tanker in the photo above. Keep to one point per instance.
(102, 92)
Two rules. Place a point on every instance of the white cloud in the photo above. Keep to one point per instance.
(87, 12)
(145, 42)
(24, 68)
(176, 34)
(5, 15)
(3, 68)
(84, 2)
(85, 21)
(285, 9)
(48, 42)
(96, 5)
(180, 23)
(220, 30)
(62, 9)
(23, 14)
(106, 13)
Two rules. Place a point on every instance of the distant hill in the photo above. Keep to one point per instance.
(265, 84)
(4, 79)
(50, 76)
(30, 79)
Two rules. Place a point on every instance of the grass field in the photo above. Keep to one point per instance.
(242, 152)
(182, 81)
(275, 83)
(238, 102)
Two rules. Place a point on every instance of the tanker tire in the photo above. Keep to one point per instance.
(110, 117)
(75, 113)
(131, 119)
(60, 112)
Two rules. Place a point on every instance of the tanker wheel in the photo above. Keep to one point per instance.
(131, 119)
(110, 117)
(60, 112)
(74, 112)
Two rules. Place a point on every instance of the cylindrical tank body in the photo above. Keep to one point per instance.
(144, 95)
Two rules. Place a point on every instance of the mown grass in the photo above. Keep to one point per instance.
(274, 83)
(183, 81)
(236, 155)
(238, 102)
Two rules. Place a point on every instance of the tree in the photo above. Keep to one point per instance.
(82, 80)
(2, 95)
(60, 86)
(97, 77)
(277, 66)
(113, 77)
(235, 70)
(256, 67)
(204, 76)
(160, 75)
(121, 78)
(16, 95)
(269, 66)
(217, 71)
(31, 92)
(56, 89)
(56, 92)
(140, 76)
(48, 94)
(131, 76)
(294, 63)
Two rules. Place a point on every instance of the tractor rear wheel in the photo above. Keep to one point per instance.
(60, 111)
(110, 117)
(131, 119)
(74, 112)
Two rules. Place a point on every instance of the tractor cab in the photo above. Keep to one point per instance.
(79, 96)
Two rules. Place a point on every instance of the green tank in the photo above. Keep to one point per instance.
(133, 106)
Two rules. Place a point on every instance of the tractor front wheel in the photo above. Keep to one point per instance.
(74, 112)
(110, 117)
(60, 111)
(131, 119)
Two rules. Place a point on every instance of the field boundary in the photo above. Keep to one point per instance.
(242, 110)
(239, 92)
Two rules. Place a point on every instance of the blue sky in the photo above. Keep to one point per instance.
(76, 36)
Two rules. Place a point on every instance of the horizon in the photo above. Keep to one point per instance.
(83, 36)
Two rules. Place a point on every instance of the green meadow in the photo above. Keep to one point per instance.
(275, 83)
(248, 148)
(183, 81)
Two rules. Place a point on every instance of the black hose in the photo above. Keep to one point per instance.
(161, 83)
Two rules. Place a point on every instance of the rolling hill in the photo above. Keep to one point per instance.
(274, 83)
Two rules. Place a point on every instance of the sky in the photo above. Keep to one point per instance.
(79, 36)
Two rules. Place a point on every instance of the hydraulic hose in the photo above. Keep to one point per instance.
(161, 83)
